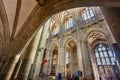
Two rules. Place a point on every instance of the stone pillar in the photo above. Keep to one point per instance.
(58, 63)
(72, 68)
(88, 72)
(46, 67)
(17, 68)
(79, 56)
(11, 64)
(39, 55)
(37, 65)
(112, 17)
(30, 56)
(94, 65)
(61, 62)
(50, 63)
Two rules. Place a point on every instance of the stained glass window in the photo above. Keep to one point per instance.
(104, 54)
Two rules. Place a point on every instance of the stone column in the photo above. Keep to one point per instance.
(47, 65)
(88, 72)
(79, 56)
(94, 65)
(50, 63)
(39, 55)
(58, 63)
(17, 68)
(30, 56)
(112, 17)
(37, 65)
(79, 49)
(72, 68)
(12, 63)
(61, 62)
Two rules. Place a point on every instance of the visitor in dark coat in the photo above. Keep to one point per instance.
(76, 78)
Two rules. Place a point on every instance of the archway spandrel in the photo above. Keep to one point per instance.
(42, 13)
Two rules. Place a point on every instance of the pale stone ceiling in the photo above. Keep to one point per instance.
(10, 7)
(26, 8)
(29, 21)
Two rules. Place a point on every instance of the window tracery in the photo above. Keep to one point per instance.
(54, 27)
(69, 23)
(88, 13)
(104, 55)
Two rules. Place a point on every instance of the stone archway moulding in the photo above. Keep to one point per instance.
(40, 14)
(101, 30)
(69, 38)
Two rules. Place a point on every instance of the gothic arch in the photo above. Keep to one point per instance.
(4, 20)
(106, 36)
(53, 44)
(31, 25)
(53, 47)
(100, 30)
(4, 26)
(69, 38)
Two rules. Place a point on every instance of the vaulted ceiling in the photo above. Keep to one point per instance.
(20, 19)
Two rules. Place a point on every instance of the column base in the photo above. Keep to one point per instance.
(24, 77)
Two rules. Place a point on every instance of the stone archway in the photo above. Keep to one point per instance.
(54, 61)
(100, 37)
(31, 25)
(4, 29)
(53, 64)
(39, 15)
(70, 54)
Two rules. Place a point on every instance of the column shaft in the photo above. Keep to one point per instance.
(17, 68)
(29, 59)
(45, 67)
(61, 62)
(12, 63)
(79, 56)
(39, 55)
(88, 72)
(112, 17)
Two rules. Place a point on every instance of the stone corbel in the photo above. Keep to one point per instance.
(41, 2)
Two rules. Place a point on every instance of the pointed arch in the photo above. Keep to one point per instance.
(69, 38)
(5, 22)
(4, 27)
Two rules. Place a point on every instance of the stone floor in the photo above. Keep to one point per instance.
(50, 78)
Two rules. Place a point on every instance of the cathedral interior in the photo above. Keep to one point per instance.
(59, 39)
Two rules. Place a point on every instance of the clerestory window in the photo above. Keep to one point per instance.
(88, 13)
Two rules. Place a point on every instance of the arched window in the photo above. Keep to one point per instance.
(67, 58)
(56, 30)
(69, 23)
(106, 62)
(54, 27)
(104, 54)
(88, 13)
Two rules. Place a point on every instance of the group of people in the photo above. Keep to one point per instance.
(74, 77)
(69, 77)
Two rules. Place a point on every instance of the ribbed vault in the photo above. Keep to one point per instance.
(29, 21)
